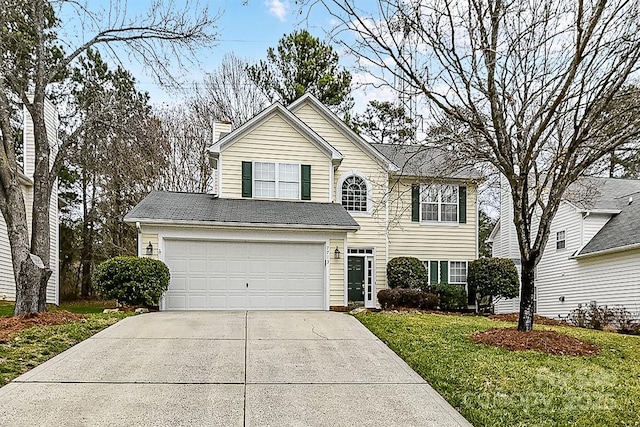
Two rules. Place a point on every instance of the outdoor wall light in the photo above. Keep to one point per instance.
(336, 253)
(561, 299)
(150, 249)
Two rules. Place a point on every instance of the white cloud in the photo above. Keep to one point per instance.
(278, 8)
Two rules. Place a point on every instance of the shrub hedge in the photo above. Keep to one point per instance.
(407, 273)
(132, 280)
(452, 297)
(409, 298)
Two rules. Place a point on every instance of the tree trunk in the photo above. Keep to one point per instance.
(40, 223)
(527, 279)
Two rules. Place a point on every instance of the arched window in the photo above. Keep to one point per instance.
(354, 194)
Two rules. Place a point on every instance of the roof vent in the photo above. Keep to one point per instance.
(630, 199)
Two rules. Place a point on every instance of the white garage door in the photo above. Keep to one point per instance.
(209, 275)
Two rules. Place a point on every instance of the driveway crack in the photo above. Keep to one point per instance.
(313, 329)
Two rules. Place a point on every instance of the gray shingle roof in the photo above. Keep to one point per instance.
(622, 229)
(172, 207)
(423, 161)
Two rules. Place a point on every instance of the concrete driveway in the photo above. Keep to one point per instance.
(227, 369)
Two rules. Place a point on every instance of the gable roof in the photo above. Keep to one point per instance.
(621, 198)
(288, 117)
(333, 119)
(424, 161)
(165, 207)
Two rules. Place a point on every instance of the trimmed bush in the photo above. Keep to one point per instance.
(406, 272)
(452, 297)
(132, 280)
(408, 298)
(494, 278)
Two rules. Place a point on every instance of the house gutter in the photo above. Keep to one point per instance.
(608, 251)
(240, 224)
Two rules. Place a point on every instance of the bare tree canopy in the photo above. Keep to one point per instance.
(228, 93)
(524, 84)
(34, 59)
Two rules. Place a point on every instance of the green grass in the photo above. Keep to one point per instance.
(31, 347)
(492, 386)
(80, 307)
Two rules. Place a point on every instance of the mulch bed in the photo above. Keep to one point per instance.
(11, 325)
(537, 320)
(550, 342)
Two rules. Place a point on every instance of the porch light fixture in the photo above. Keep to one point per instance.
(336, 253)
(150, 249)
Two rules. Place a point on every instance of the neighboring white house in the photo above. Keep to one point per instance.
(593, 252)
(7, 281)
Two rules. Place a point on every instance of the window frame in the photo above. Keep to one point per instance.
(466, 272)
(277, 180)
(563, 241)
(368, 195)
(424, 189)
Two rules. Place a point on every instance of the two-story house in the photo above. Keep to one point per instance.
(306, 215)
(7, 279)
(593, 251)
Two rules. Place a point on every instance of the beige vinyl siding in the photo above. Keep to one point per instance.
(372, 226)
(455, 242)
(336, 273)
(146, 238)
(274, 140)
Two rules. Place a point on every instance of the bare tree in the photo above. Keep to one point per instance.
(526, 84)
(34, 59)
(188, 135)
(228, 94)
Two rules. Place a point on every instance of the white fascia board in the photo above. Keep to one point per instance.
(170, 222)
(290, 118)
(605, 251)
(344, 129)
(493, 233)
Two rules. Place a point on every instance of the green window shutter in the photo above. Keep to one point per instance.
(433, 272)
(247, 169)
(415, 203)
(305, 171)
(462, 205)
(444, 271)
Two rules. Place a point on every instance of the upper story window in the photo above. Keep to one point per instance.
(276, 180)
(439, 203)
(354, 194)
(561, 240)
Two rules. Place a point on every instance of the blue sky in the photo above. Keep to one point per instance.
(247, 30)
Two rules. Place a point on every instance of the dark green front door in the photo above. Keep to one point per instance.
(355, 278)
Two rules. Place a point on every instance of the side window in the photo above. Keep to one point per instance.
(561, 240)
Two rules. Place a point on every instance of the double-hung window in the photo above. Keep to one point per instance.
(276, 180)
(439, 203)
(458, 272)
(561, 240)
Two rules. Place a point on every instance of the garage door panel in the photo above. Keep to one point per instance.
(214, 275)
(176, 301)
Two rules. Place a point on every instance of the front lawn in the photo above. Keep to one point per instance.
(492, 386)
(28, 348)
(81, 307)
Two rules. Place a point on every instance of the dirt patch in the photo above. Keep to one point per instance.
(11, 325)
(550, 342)
(538, 320)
